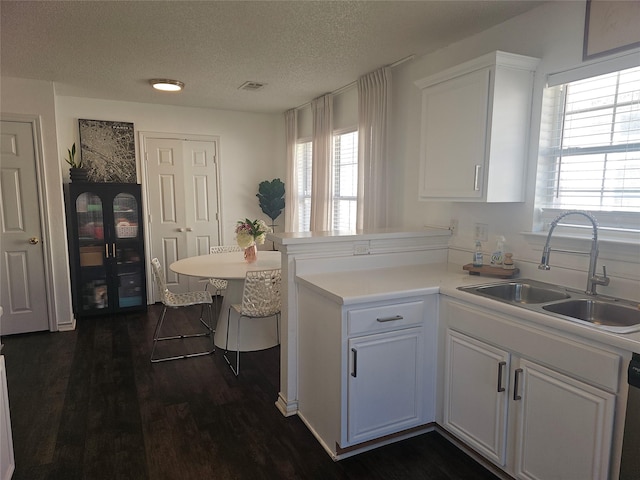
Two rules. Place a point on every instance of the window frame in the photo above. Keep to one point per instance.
(303, 196)
(344, 198)
(616, 225)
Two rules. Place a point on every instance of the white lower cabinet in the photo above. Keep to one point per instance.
(564, 426)
(366, 371)
(532, 421)
(475, 405)
(385, 380)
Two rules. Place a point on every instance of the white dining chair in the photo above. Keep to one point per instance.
(261, 299)
(220, 284)
(177, 300)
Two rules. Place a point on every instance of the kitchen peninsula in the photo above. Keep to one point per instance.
(381, 312)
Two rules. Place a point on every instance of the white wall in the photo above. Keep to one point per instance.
(552, 32)
(251, 144)
(251, 150)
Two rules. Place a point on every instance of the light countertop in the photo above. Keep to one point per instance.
(351, 288)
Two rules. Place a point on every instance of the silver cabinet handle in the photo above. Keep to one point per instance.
(354, 373)
(113, 250)
(189, 229)
(106, 250)
(389, 319)
(476, 178)
(516, 381)
(181, 229)
(501, 366)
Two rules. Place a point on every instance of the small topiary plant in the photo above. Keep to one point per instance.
(271, 198)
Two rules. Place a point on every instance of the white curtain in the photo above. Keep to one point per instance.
(291, 181)
(321, 164)
(374, 90)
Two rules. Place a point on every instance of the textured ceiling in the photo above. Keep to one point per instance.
(300, 49)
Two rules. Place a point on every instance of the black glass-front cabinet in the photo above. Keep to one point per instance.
(106, 248)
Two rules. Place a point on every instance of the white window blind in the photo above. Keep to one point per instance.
(303, 168)
(345, 187)
(590, 148)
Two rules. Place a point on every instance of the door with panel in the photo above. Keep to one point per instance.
(375, 411)
(23, 287)
(182, 192)
(475, 394)
(564, 425)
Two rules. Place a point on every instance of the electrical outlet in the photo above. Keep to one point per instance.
(453, 226)
(482, 232)
(361, 249)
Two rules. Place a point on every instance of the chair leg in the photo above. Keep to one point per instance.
(156, 331)
(212, 330)
(235, 370)
(157, 338)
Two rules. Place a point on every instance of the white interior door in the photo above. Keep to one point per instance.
(23, 288)
(182, 192)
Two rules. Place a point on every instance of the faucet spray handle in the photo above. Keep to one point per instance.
(601, 280)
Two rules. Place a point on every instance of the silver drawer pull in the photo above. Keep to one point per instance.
(389, 319)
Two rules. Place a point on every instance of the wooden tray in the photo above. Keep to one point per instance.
(489, 270)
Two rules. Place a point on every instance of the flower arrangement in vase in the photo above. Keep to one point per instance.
(250, 234)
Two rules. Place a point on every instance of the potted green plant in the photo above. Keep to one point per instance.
(271, 198)
(76, 172)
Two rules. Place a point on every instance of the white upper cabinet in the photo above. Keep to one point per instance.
(475, 129)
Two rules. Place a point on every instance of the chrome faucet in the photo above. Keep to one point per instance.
(592, 279)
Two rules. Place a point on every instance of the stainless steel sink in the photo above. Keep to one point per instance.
(598, 312)
(520, 292)
(608, 313)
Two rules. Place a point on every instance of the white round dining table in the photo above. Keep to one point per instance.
(256, 334)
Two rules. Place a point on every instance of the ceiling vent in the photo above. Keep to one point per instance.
(251, 86)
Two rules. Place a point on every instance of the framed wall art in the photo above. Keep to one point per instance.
(610, 26)
(108, 151)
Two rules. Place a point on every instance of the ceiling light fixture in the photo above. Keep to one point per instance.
(166, 85)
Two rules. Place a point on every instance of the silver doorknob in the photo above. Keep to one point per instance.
(34, 240)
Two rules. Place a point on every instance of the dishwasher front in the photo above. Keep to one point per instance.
(630, 464)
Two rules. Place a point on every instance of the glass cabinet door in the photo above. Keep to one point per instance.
(128, 247)
(93, 251)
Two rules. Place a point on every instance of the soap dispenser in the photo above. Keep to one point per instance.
(477, 254)
(497, 257)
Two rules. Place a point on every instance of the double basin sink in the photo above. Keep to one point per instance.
(608, 313)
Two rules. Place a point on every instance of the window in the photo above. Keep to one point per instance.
(303, 168)
(590, 149)
(345, 181)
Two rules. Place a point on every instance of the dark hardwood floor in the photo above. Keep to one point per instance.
(88, 404)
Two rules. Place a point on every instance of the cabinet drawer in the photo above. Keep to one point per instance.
(385, 317)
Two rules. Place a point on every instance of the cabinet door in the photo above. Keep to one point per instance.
(93, 252)
(564, 426)
(454, 133)
(385, 384)
(129, 252)
(475, 396)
